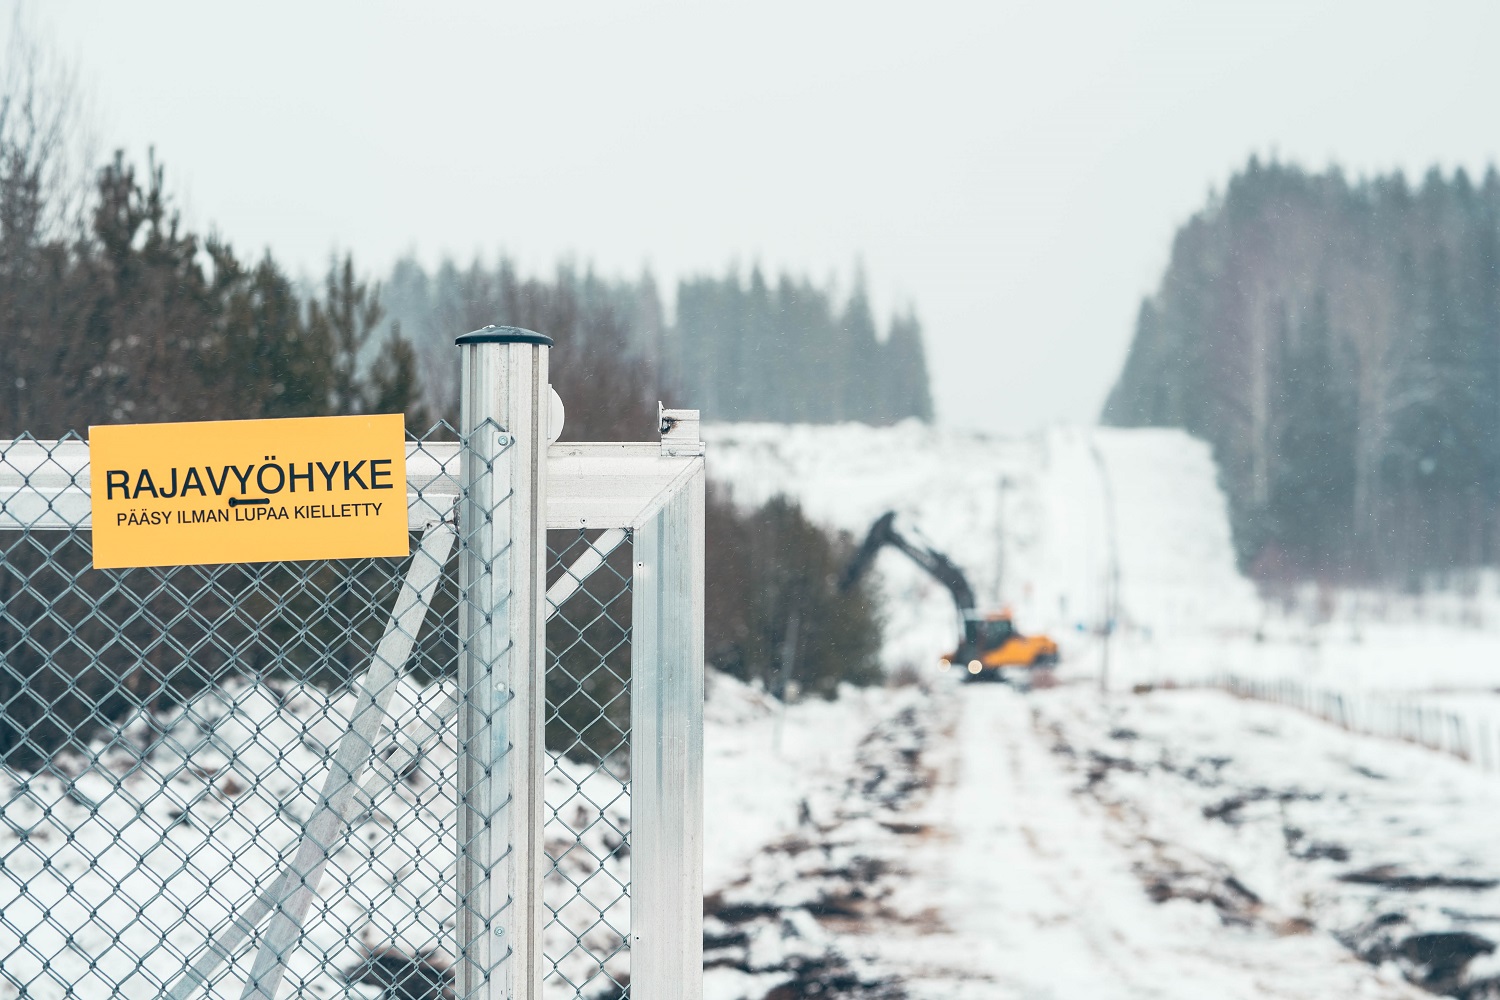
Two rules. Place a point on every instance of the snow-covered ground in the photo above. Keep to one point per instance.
(965, 850)
(1163, 840)
(1166, 839)
(1381, 843)
(123, 867)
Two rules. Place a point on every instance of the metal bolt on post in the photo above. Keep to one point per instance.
(502, 613)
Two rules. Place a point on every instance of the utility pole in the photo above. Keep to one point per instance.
(1112, 563)
(1001, 561)
(785, 685)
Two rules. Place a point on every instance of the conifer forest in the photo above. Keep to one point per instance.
(1338, 343)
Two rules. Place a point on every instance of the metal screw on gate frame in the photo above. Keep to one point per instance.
(502, 439)
(499, 932)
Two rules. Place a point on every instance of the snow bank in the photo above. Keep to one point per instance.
(762, 758)
(1031, 520)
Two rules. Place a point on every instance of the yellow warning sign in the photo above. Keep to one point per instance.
(248, 490)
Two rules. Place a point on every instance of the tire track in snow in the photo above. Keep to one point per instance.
(1381, 843)
(1038, 888)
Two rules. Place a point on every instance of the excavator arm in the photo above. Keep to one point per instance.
(989, 645)
(942, 569)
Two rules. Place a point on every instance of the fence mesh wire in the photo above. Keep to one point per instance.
(187, 753)
(586, 891)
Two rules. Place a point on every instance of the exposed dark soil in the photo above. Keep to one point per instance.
(1392, 877)
(1303, 849)
(1216, 886)
(1435, 960)
(1228, 809)
(828, 977)
(836, 887)
(738, 913)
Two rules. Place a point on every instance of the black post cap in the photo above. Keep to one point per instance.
(504, 335)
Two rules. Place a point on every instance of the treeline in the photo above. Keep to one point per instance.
(609, 386)
(792, 354)
(739, 350)
(1338, 343)
(131, 318)
(111, 310)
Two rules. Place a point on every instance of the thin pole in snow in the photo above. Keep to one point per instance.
(1112, 572)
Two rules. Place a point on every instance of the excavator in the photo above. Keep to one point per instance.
(990, 648)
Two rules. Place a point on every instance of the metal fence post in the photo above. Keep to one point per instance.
(502, 614)
(666, 749)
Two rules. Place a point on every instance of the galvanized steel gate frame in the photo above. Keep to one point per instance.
(497, 494)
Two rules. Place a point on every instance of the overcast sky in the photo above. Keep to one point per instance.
(1015, 172)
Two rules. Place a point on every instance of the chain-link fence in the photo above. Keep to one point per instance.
(172, 736)
(305, 779)
(218, 775)
(587, 889)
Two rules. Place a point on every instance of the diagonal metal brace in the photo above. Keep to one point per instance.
(291, 894)
(279, 893)
(373, 693)
(437, 718)
(583, 567)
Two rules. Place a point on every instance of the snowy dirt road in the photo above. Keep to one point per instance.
(1159, 841)
(967, 854)
(1042, 888)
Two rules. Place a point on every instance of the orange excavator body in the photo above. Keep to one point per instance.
(992, 644)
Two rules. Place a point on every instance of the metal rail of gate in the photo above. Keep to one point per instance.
(474, 772)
